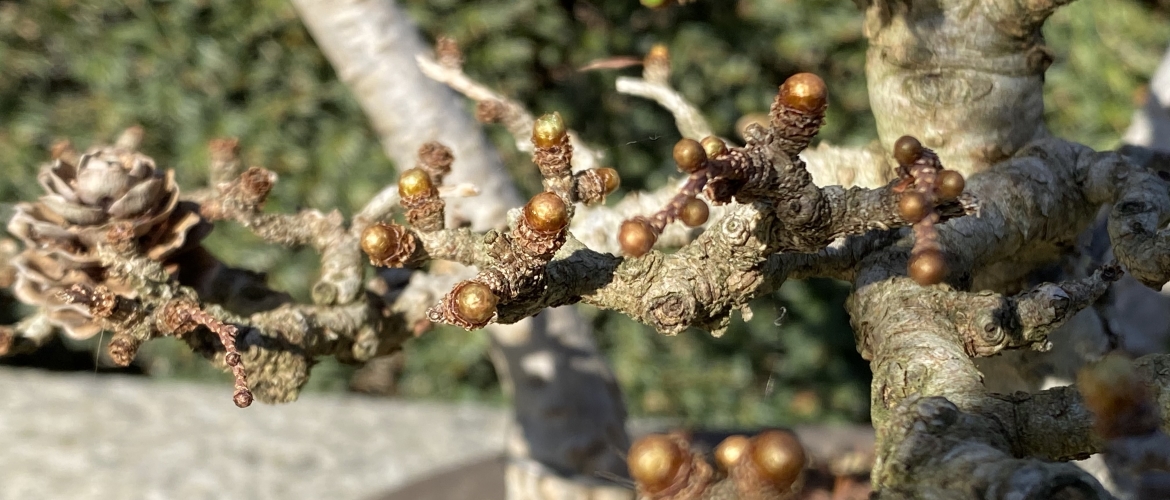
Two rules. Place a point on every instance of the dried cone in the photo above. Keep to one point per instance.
(107, 187)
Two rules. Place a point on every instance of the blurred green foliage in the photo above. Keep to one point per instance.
(192, 70)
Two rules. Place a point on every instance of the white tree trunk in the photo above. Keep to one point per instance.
(570, 416)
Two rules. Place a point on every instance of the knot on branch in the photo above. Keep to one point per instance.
(672, 312)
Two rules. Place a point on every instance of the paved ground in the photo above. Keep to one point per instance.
(83, 436)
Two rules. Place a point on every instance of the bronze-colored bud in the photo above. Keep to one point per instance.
(611, 178)
(689, 155)
(912, 206)
(907, 150)
(779, 457)
(950, 185)
(694, 212)
(655, 462)
(548, 130)
(415, 182)
(928, 267)
(714, 146)
(637, 237)
(658, 51)
(730, 451)
(805, 92)
(242, 398)
(379, 241)
(475, 303)
(546, 212)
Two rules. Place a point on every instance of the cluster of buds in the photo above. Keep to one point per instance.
(420, 197)
(392, 245)
(553, 155)
(768, 466)
(637, 235)
(520, 257)
(722, 173)
(924, 183)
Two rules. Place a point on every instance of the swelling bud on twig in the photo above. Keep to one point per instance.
(928, 267)
(655, 463)
(611, 178)
(637, 237)
(387, 245)
(689, 155)
(950, 185)
(728, 453)
(714, 146)
(415, 182)
(694, 212)
(548, 130)
(907, 150)
(912, 206)
(805, 92)
(779, 457)
(546, 212)
(475, 304)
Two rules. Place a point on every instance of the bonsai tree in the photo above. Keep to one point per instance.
(940, 228)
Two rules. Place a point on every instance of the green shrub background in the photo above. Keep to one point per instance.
(190, 71)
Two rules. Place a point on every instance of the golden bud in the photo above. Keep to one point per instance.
(637, 237)
(779, 457)
(907, 150)
(912, 206)
(611, 178)
(950, 185)
(928, 267)
(387, 245)
(415, 182)
(475, 303)
(730, 451)
(689, 155)
(694, 212)
(546, 212)
(805, 92)
(655, 462)
(548, 130)
(714, 146)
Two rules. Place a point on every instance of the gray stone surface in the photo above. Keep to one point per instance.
(84, 436)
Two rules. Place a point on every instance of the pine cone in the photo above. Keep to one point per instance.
(107, 186)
